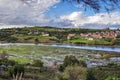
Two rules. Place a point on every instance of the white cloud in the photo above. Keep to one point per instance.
(80, 19)
(105, 18)
(26, 12)
(32, 12)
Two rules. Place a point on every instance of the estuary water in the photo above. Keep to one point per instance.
(101, 48)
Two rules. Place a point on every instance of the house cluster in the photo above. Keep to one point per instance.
(36, 32)
(99, 35)
(70, 36)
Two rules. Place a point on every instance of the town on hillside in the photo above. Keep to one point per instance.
(99, 35)
(60, 35)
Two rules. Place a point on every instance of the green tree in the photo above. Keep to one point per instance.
(16, 72)
(36, 40)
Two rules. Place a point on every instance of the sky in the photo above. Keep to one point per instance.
(56, 13)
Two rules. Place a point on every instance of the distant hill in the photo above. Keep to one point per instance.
(47, 34)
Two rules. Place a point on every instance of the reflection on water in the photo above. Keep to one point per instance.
(102, 48)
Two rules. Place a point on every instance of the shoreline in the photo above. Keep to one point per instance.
(112, 46)
(63, 45)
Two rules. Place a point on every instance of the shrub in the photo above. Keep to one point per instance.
(90, 74)
(74, 73)
(61, 68)
(70, 60)
(38, 63)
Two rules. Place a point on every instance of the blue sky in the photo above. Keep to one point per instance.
(20, 13)
(64, 8)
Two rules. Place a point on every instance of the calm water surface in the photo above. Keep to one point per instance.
(101, 48)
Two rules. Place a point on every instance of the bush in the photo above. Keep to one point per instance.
(38, 63)
(7, 62)
(82, 63)
(90, 74)
(112, 64)
(4, 55)
(108, 39)
(74, 73)
(36, 40)
(61, 68)
(70, 60)
(11, 71)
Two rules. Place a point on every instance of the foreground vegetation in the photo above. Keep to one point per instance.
(27, 62)
(71, 69)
